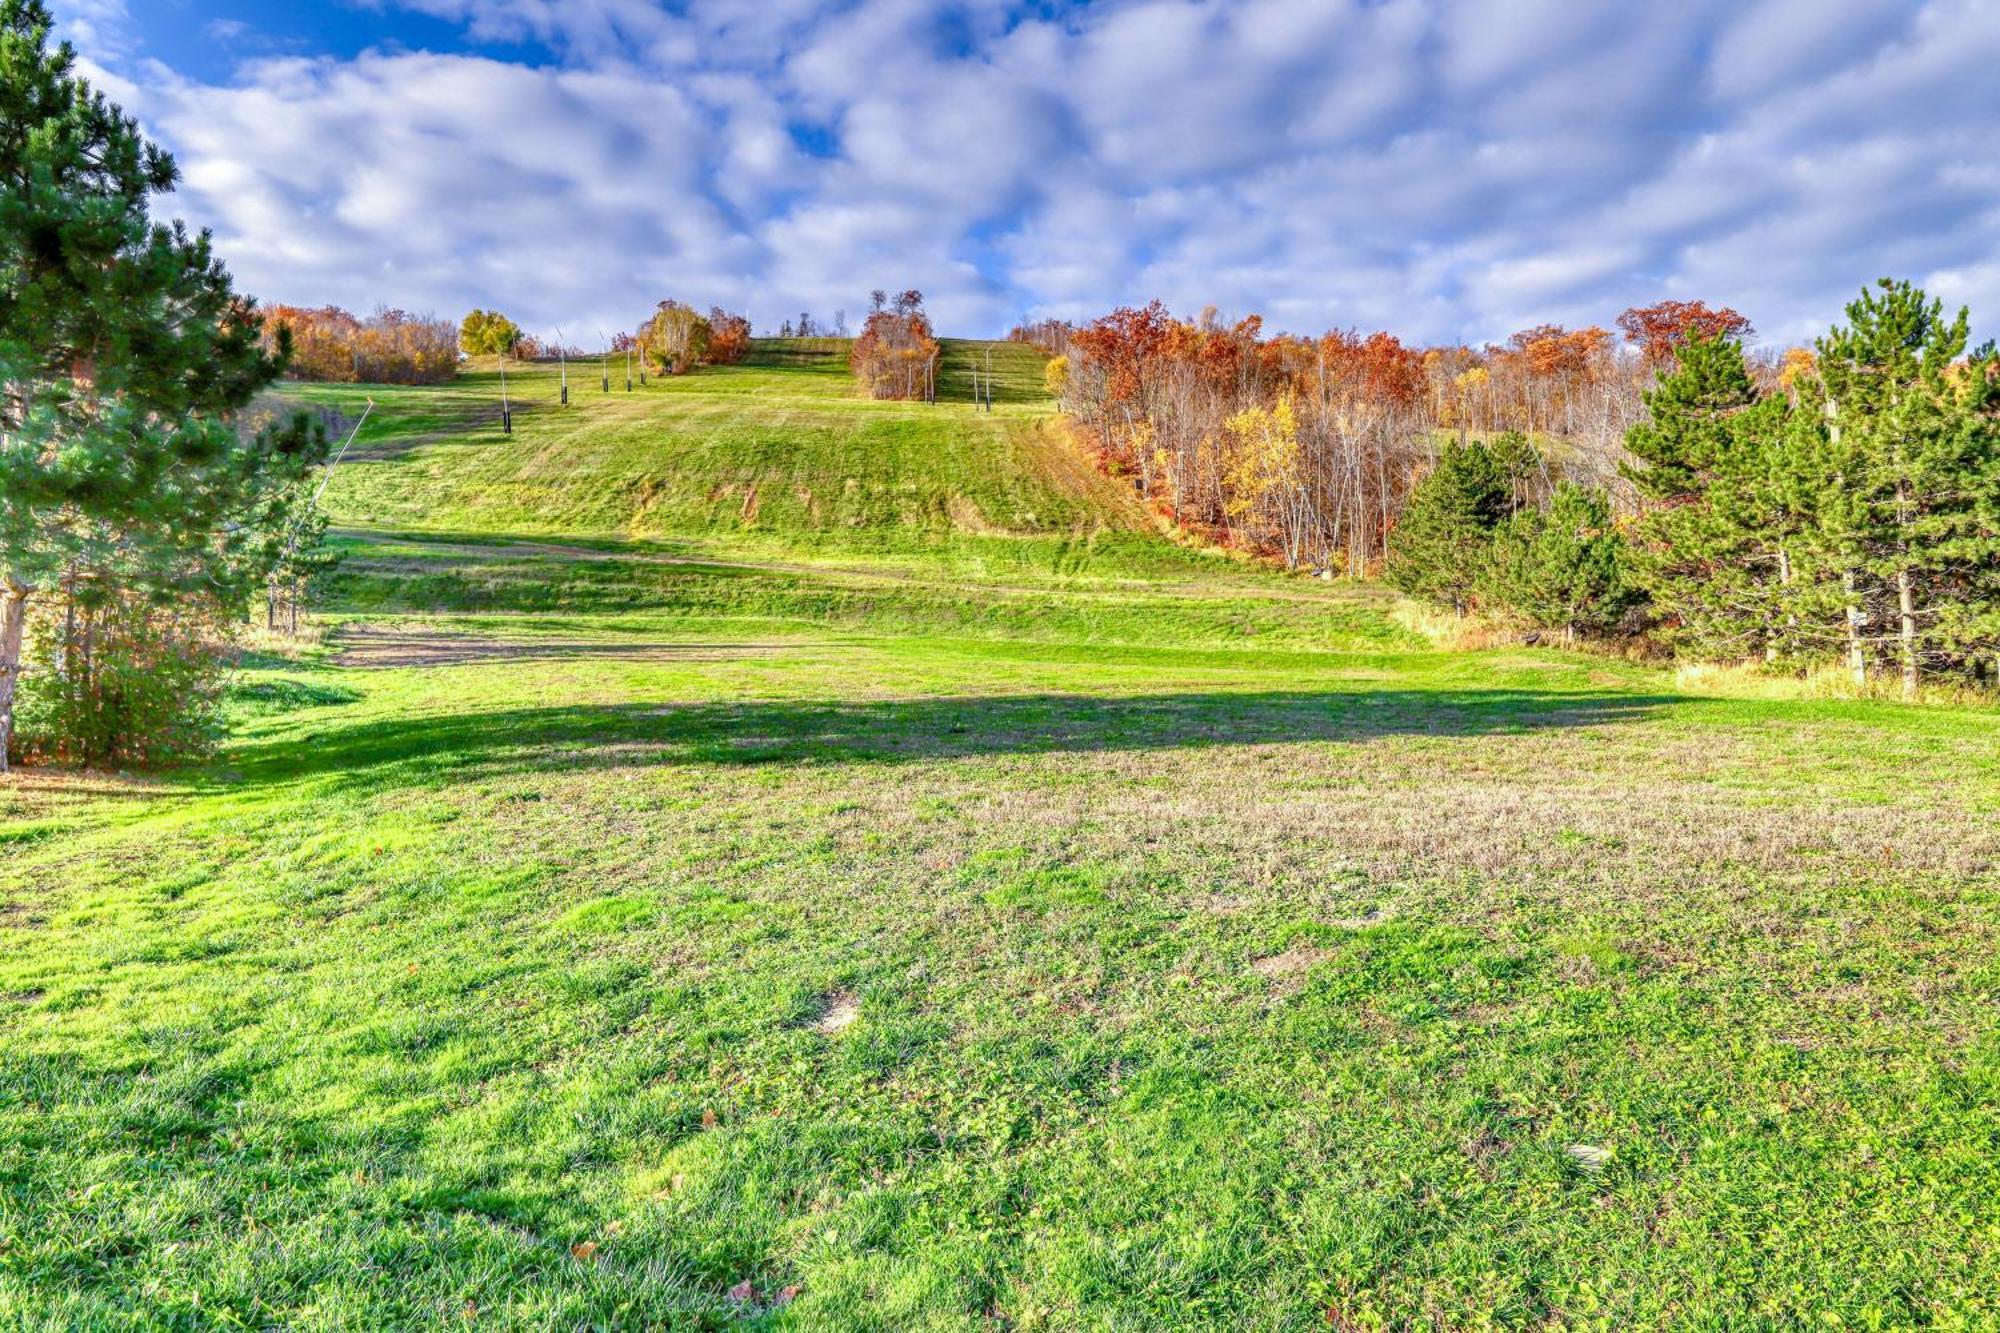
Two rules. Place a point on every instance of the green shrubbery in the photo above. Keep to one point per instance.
(1560, 566)
(1437, 549)
(126, 683)
(1476, 535)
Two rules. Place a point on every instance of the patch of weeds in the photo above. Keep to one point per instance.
(274, 697)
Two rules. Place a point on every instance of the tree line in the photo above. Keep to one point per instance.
(675, 339)
(1833, 504)
(329, 345)
(1189, 409)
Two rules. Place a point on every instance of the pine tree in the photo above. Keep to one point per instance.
(297, 558)
(1910, 521)
(1716, 549)
(124, 355)
(1559, 567)
(1435, 548)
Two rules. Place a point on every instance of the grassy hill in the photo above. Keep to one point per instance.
(774, 493)
(777, 454)
(748, 856)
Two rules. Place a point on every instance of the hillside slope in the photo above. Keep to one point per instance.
(775, 490)
(779, 453)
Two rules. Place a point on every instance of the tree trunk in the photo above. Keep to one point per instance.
(1857, 656)
(1906, 594)
(1906, 603)
(13, 624)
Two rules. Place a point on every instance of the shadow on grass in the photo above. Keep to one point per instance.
(906, 730)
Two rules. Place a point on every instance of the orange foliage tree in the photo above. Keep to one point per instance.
(389, 347)
(1658, 330)
(1307, 449)
(896, 354)
(729, 337)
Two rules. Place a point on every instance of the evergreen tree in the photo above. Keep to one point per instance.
(124, 355)
(1435, 548)
(1910, 515)
(1716, 549)
(297, 559)
(1560, 567)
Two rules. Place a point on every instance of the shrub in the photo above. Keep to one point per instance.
(124, 682)
(1436, 548)
(729, 337)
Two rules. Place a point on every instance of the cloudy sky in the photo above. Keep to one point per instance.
(1447, 169)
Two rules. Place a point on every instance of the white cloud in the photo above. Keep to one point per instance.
(1447, 168)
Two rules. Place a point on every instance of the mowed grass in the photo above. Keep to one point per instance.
(758, 458)
(909, 923)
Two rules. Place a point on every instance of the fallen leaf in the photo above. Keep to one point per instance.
(786, 1295)
(709, 1119)
(584, 1249)
(743, 1292)
(1589, 1157)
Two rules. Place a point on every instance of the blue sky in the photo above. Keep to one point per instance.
(1446, 169)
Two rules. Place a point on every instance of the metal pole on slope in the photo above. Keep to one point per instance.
(563, 357)
(604, 359)
(292, 542)
(506, 409)
(343, 453)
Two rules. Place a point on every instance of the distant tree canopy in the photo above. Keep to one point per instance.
(729, 337)
(678, 338)
(133, 498)
(329, 345)
(1834, 504)
(1051, 335)
(896, 354)
(488, 333)
(1659, 330)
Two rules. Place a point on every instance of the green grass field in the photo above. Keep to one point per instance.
(747, 856)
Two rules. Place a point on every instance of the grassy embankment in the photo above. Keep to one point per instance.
(745, 853)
